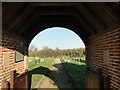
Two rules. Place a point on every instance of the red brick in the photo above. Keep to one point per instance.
(107, 41)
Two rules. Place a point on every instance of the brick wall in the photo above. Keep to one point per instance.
(9, 42)
(96, 46)
(109, 41)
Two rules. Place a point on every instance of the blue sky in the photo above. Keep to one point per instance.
(57, 37)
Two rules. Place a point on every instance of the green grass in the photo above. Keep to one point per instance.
(77, 71)
(37, 71)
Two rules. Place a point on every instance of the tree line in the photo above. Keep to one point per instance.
(47, 52)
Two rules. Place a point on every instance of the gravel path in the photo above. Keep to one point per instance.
(57, 78)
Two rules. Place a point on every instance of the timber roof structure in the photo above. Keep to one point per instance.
(26, 19)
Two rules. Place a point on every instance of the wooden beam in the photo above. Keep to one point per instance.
(94, 14)
(11, 11)
(53, 17)
(28, 24)
(110, 12)
(76, 21)
(113, 27)
(46, 25)
(54, 4)
(4, 8)
(89, 17)
(55, 13)
(30, 30)
(102, 14)
(84, 24)
(75, 15)
(41, 20)
(27, 11)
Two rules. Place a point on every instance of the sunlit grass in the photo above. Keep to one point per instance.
(37, 71)
(76, 70)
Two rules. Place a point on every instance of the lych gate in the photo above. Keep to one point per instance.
(98, 25)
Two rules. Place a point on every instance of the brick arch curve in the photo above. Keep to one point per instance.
(69, 28)
(60, 28)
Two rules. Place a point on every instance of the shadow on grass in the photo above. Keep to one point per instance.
(39, 70)
(57, 76)
(79, 60)
(83, 61)
(77, 72)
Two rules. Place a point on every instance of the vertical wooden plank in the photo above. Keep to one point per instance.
(92, 81)
(26, 85)
(12, 79)
(107, 83)
(5, 85)
(87, 79)
(100, 79)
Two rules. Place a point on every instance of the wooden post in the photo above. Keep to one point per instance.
(12, 79)
(5, 85)
(100, 79)
(26, 85)
(107, 83)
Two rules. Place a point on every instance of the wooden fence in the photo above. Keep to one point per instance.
(5, 85)
(16, 81)
(97, 81)
(19, 81)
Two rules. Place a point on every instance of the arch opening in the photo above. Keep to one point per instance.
(70, 27)
(59, 33)
(61, 47)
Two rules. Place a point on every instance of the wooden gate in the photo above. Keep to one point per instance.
(5, 85)
(92, 80)
(97, 81)
(16, 81)
(19, 81)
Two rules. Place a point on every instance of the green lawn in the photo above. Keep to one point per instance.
(76, 70)
(38, 71)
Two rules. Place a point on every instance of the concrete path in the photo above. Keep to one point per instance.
(57, 77)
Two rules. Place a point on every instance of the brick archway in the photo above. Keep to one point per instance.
(98, 24)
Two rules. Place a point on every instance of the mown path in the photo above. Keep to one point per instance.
(57, 77)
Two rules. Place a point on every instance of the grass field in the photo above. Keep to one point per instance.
(76, 70)
(38, 71)
(75, 67)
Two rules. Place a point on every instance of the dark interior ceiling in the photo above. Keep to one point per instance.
(26, 19)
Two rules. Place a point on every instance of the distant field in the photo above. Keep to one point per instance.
(76, 68)
(37, 71)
